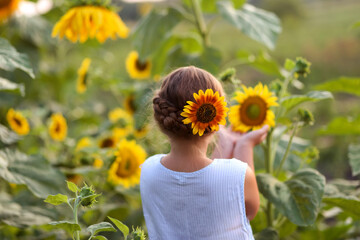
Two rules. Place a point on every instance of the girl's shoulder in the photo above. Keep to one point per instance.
(152, 160)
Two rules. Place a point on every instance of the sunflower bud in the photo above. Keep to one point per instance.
(227, 75)
(87, 196)
(306, 116)
(276, 86)
(302, 67)
(138, 234)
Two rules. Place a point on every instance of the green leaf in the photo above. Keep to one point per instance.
(267, 234)
(153, 29)
(348, 203)
(33, 171)
(7, 136)
(67, 226)
(356, 25)
(294, 100)
(298, 198)
(11, 59)
(99, 237)
(122, 227)
(256, 23)
(354, 157)
(342, 126)
(8, 86)
(56, 199)
(262, 62)
(101, 227)
(289, 64)
(72, 187)
(342, 84)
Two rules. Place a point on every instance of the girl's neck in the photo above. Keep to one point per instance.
(187, 155)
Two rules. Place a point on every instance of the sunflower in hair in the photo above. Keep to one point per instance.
(208, 111)
(253, 109)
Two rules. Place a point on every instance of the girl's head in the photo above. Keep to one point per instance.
(177, 88)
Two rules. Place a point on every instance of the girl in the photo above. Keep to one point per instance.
(186, 195)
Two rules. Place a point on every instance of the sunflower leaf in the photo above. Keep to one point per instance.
(256, 23)
(101, 227)
(67, 226)
(7, 136)
(292, 101)
(342, 84)
(298, 198)
(56, 199)
(33, 171)
(342, 126)
(354, 157)
(11, 59)
(152, 30)
(8, 86)
(122, 227)
(267, 234)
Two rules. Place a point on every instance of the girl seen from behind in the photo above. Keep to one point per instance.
(185, 194)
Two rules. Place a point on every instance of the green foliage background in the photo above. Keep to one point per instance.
(38, 75)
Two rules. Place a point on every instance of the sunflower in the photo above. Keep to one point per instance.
(83, 22)
(7, 8)
(126, 168)
(108, 142)
(98, 162)
(119, 114)
(137, 69)
(129, 104)
(83, 75)
(208, 110)
(58, 127)
(17, 122)
(253, 111)
(83, 143)
(121, 132)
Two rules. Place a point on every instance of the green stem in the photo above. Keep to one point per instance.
(269, 170)
(200, 22)
(76, 206)
(286, 151)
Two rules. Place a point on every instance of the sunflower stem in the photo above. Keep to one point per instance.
(76, 206)
(287, 150)
(269, 170)
(200, 22)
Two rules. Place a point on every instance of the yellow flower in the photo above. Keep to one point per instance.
(108, 142)
(207, 112)
(135, 68)
(7, 8)
(140, 133)
(126, 168)
(83, 22)
(119, 133)
(17, 122)
(129, 104)
(82, 79)
(98, 162)
(253, 110)
(83, 143)
(119, 114)
(58, 127)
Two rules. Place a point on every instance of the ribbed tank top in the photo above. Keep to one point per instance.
(203, 205)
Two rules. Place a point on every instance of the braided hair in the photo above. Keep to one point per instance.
(177, 88)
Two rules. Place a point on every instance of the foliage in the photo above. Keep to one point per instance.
(296, 203)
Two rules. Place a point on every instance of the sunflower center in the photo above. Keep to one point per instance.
(106, 143)
(84, 80)
(206, 113)
(141, 66)
(17, 121)
(57, 128)
(253, 111)
(126, 168)
(4, 3)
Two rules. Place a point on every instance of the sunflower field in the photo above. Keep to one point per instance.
(77, 79)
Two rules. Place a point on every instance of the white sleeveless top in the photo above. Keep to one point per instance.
(203, 205)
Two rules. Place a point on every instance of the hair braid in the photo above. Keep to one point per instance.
(168, 116)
